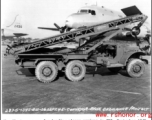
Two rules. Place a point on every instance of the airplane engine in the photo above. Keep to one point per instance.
(135, 31)
(145, 44)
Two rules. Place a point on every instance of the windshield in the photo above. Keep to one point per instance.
(83, 11)
(87, 11)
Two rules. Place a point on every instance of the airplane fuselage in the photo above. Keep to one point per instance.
(91, 15)
(14, 30)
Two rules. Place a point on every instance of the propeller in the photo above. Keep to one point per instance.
(58, 28)
(134, 31)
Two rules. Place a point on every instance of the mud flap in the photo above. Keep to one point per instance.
(95, 71)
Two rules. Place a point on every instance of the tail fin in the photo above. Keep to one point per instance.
(133, 10)
(16, 23)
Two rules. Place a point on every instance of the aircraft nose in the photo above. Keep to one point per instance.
(69, 22)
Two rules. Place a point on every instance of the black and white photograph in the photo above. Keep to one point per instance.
(76, 57)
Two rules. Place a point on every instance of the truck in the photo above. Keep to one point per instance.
(101, 48)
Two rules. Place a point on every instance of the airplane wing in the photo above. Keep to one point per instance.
(7, 33)
(15, 29)
(19, 34)
(58, 28)
(54, 29)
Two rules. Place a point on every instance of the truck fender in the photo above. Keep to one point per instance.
(126, 57)
(43, 59)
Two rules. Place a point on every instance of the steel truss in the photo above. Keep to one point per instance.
(119, 25)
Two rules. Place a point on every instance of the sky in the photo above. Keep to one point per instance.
(44, 13)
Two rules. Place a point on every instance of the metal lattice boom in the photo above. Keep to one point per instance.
(77, 34)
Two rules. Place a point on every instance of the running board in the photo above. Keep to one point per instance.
(115, 65)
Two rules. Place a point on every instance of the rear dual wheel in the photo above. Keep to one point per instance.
(75, 70)
(46, 71)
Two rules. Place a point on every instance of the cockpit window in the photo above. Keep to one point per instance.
(93, 12)
(83, 11)
(87, 11)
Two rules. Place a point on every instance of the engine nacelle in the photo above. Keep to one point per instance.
(135, 31)
(145, 45)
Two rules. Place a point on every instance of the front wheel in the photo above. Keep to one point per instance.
(75, 70)
(135, 68)
(46, 71)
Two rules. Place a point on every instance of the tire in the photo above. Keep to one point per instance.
(46, 71)
(75, 70)
(32, 70)
(114, 70)
(135, 68)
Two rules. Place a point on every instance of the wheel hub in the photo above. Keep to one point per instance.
(76, 70)
(136, 68)
(47, 71)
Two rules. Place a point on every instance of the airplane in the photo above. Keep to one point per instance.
(13, 30)
(91, 15)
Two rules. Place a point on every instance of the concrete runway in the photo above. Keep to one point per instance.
(103, 92)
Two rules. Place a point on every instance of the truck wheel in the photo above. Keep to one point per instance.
(135, 68)
(75, 70)
(46, 71)
(32, 70)
(114, 70)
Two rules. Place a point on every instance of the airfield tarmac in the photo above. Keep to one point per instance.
(21, 91)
